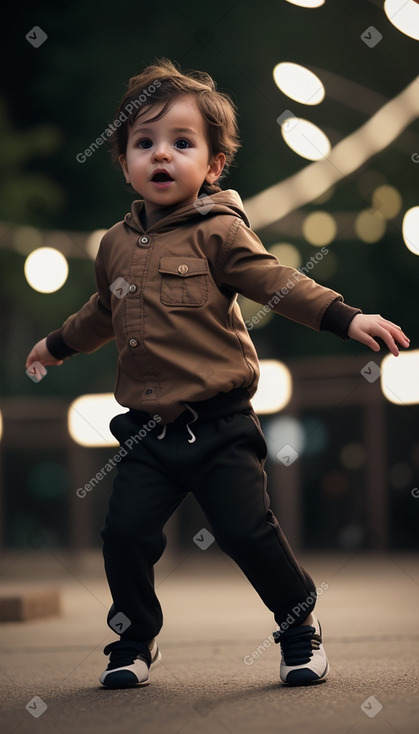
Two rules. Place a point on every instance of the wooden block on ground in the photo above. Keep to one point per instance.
(21, 604)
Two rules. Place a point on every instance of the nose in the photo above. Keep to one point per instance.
(162, 152)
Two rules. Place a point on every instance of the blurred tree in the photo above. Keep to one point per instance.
(26, 194)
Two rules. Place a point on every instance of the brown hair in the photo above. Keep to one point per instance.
(163, 82)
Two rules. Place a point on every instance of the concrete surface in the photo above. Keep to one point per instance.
(213, 621)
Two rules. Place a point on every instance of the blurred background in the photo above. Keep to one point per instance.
(328, 101)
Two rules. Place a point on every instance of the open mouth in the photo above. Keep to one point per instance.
(161, 177)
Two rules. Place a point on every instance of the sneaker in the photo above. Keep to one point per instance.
(303, 659)
(128, 664)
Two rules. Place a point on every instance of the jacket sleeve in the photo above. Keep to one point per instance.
(91, 327)
(250, 270)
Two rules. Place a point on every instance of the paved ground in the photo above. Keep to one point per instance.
(213, 621)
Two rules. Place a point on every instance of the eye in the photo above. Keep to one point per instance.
(182, 141)
(144, 143)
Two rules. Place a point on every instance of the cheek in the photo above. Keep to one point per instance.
(135, 167)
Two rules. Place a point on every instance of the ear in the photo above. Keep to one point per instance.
(123, 164)
(215, 168)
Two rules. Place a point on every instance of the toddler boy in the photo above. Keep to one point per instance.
(167, 280)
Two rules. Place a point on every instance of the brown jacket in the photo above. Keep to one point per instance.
(168, 297)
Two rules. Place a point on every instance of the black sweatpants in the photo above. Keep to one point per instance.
(224, 469)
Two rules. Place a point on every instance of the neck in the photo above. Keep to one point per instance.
(148, 220)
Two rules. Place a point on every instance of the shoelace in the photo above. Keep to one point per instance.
(298, 643)
(124, 653)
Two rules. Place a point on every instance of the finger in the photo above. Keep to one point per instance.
(389, 341)
(403, 339)
(394, 326)
(32, 357)
(370, 342)
(397, 333)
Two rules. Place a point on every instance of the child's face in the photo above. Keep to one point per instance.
(176, 143)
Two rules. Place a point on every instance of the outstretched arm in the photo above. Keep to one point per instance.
(364, 327)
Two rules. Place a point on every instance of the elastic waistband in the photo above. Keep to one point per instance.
(222, 404)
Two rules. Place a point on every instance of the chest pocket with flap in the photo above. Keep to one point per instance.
(184, 280)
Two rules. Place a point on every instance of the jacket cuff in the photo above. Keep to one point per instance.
(57, 346)
(338, 317)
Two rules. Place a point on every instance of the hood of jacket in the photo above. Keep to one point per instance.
(223, 202)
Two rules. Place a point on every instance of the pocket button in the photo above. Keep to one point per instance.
(183, 269)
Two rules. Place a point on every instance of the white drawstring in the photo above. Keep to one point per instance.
(195, 418)
(163, 433)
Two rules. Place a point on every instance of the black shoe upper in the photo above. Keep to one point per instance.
(124, 652)
(298, 643)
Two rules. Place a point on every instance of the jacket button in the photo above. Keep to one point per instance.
(149, 391)
(183, 269)
(132, 288)
(144, 241)
(133, 343)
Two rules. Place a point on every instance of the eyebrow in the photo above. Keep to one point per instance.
(172, 130)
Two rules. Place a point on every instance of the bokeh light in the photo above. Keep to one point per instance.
(319, 228)
(307, 3)
(404, 14)
(283, 431)
(46, 270)
(305, 138)
(93, 242)
(400, 378)
(275, 387)
(411, 229)
(387, 200)
(89, 417)
(287, 254)
(370, 225)
(298, 83)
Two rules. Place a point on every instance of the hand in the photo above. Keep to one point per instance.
(364, 327)
(41, 354)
